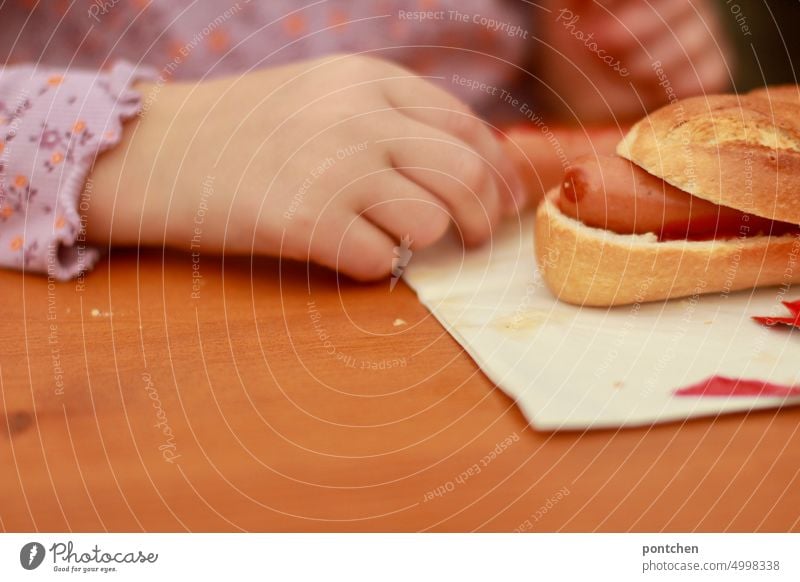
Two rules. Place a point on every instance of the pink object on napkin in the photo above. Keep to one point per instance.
(794, 320)
(722, 386)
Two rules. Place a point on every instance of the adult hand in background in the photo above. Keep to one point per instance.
(621, 58)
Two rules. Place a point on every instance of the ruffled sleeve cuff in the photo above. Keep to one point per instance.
(53, 125)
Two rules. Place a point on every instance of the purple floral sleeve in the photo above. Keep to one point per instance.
(53, 124)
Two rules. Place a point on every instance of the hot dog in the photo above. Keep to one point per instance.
(612, 193)
(703, 196)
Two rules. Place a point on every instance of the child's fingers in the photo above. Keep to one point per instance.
(455, 174)
(406, 211)
(431, 105)
(352, 245)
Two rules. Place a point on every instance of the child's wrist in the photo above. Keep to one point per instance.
(119, 208)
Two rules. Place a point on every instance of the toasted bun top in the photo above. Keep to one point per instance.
(790, 93)
(741, 151)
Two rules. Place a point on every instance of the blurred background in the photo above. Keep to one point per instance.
(771, 53)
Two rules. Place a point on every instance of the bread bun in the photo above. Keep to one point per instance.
(789, 93)
(741, 151)
(592, 266)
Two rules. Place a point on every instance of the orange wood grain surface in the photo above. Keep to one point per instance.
(286, 416)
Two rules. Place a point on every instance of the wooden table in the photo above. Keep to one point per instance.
(131, 405)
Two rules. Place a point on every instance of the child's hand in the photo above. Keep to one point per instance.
(623, 57)
(332, 161)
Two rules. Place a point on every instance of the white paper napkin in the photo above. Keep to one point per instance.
(578, 368)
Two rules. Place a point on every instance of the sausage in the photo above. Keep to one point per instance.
(540, 156)
(612, 193)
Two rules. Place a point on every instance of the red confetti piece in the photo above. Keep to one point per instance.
(794, 320)
(793, 306)
(722, 386)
